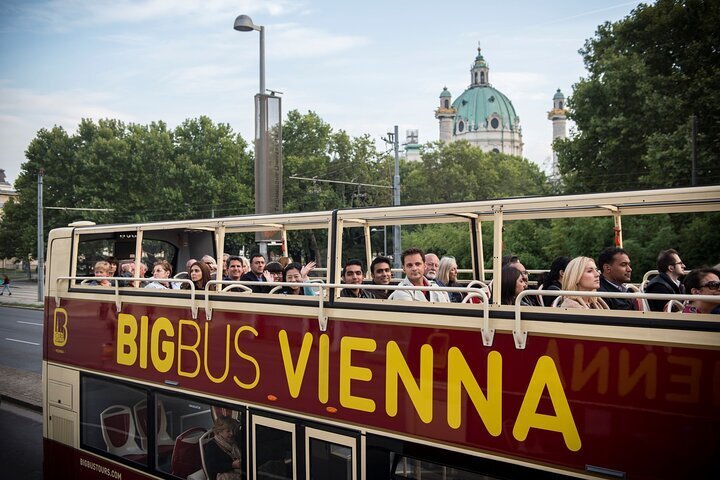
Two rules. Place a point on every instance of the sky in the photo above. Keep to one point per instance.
(362, 66)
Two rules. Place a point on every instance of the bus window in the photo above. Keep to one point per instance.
(273, 449)
(157, 250)
(330, 455)
(95, 247)
(108, 421)
(412, 468)
(180, 423)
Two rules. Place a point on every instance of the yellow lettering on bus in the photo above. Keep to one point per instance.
(691, 380)
(459, 375)
(126, 353)
(599, 365)
(397, 368)
(206, 363)
(646, 369)
(350, 372)
(295, 373)
(190, 348)
(241, 354)
(324, 368)
(162, 363)
(546, 375)
(143, 341)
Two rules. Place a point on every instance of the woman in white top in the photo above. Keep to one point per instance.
(582, 275)
(162, 270)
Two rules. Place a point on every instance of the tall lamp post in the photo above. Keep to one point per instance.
(268, 151)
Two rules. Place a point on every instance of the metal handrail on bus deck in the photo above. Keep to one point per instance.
(487, 332)
(116, 285)
(521, 337)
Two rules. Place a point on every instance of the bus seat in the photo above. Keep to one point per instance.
(164, 442)
(217, 412)
(276, 289)
(640, 302)
(557, 301)
(186, 456)
(118, 431)
(207, 437)
(540, 297)
(181, 275)
(673, 306)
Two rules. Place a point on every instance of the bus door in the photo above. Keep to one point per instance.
(288, 449)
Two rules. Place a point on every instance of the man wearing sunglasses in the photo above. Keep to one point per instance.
(671, 268)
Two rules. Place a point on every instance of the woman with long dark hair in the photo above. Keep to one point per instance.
(199, 274)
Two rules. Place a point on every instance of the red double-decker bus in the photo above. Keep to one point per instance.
(328, 387)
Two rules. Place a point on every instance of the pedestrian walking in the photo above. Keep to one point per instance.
(6, 286)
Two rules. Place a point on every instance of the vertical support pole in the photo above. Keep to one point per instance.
(338, 260)
(40, 238)
(368, 248)
(220, 249)
(480, 252)
(497, 254)
(138, 254)
(618, 229)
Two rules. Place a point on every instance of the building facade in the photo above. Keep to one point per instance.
(482, 115)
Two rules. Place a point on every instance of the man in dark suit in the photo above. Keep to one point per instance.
(257, 274)
(671, 268)
(614, 265)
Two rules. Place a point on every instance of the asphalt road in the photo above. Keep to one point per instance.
(20, 443)
(21, 338)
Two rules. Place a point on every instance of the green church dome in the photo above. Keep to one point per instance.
(475, 107)
(558, 95)
(445, 93)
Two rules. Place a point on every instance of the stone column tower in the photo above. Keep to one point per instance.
(558, 116)
(445, 114)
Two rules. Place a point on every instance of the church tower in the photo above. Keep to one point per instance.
(445, 115)
(558, 116)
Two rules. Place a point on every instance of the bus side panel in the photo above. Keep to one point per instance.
(567, 402)
(61, 462)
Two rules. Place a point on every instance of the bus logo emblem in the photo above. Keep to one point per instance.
(60, 332)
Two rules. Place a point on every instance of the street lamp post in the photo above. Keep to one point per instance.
(40, 238)
(268, 144)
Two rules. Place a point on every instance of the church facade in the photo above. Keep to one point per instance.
(482, 115)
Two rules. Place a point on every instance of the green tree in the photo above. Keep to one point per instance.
(647, 74)
(140, 172)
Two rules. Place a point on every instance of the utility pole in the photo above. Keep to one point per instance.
(40, 239)
(693, 125)
(396, 200)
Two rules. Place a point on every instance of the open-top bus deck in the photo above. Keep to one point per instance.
(327, 387)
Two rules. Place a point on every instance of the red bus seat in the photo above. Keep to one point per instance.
(186, 454)
(118, 431)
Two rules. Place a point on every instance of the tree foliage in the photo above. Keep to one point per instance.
(140, 172)
(647, 74)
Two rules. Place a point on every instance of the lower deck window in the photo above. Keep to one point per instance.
(415, 469)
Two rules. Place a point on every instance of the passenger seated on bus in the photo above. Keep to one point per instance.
(212, 265)
(432, 264)
(352, 274)
(199, 275)
(113, 265)
(276, 271)
(514, 261)
(582, 275)
(246, 264)
(703, 281)
(129, 272)
(553, 279)
(189, 264)
(162, 270)
(223, 453)
(381, 273)
(257, 274)
(670, 269)
(296, 273)
(234, 269)
(614, 265)
(413, 264)
(447, 277)
(101, 271)
(512, 284)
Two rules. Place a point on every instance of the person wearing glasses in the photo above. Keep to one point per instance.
(703, 281)
(671, 268)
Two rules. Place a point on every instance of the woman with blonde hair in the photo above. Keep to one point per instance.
(447, 277)
(582, 275)
(222, 454)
